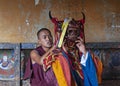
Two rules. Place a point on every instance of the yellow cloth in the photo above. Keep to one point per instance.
(57, 69)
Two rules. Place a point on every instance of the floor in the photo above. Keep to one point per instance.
(104, 83)
(110, 83)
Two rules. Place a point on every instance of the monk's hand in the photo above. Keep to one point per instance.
(55, 49)
(80, 45)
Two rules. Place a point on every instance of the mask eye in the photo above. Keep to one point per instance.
(69, 31)
(72, 31)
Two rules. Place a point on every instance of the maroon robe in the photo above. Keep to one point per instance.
(37, 75)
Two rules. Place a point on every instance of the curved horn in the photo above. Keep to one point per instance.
(50, 16)
(83, 15)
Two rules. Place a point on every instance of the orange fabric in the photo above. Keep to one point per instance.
(99, 67)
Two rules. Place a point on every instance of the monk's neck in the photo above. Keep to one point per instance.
(45, 49)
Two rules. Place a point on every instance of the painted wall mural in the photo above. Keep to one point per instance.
(111, 62)
(7, 63)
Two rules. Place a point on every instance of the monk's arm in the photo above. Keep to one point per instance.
(36, 58)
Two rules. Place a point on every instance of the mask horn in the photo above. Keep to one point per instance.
(83, 15)
(83, 19)
(50, 16)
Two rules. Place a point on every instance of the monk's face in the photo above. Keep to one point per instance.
(45, 39)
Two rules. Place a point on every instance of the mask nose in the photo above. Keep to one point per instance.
(72, 32)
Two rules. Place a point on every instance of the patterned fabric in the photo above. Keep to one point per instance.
(73, 57)
(75, 68)
(47, 62)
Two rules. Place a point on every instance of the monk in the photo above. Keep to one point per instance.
(38, 77)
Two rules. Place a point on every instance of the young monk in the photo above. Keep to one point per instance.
(38, 76)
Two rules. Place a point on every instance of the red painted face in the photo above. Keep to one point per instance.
(45, 39)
